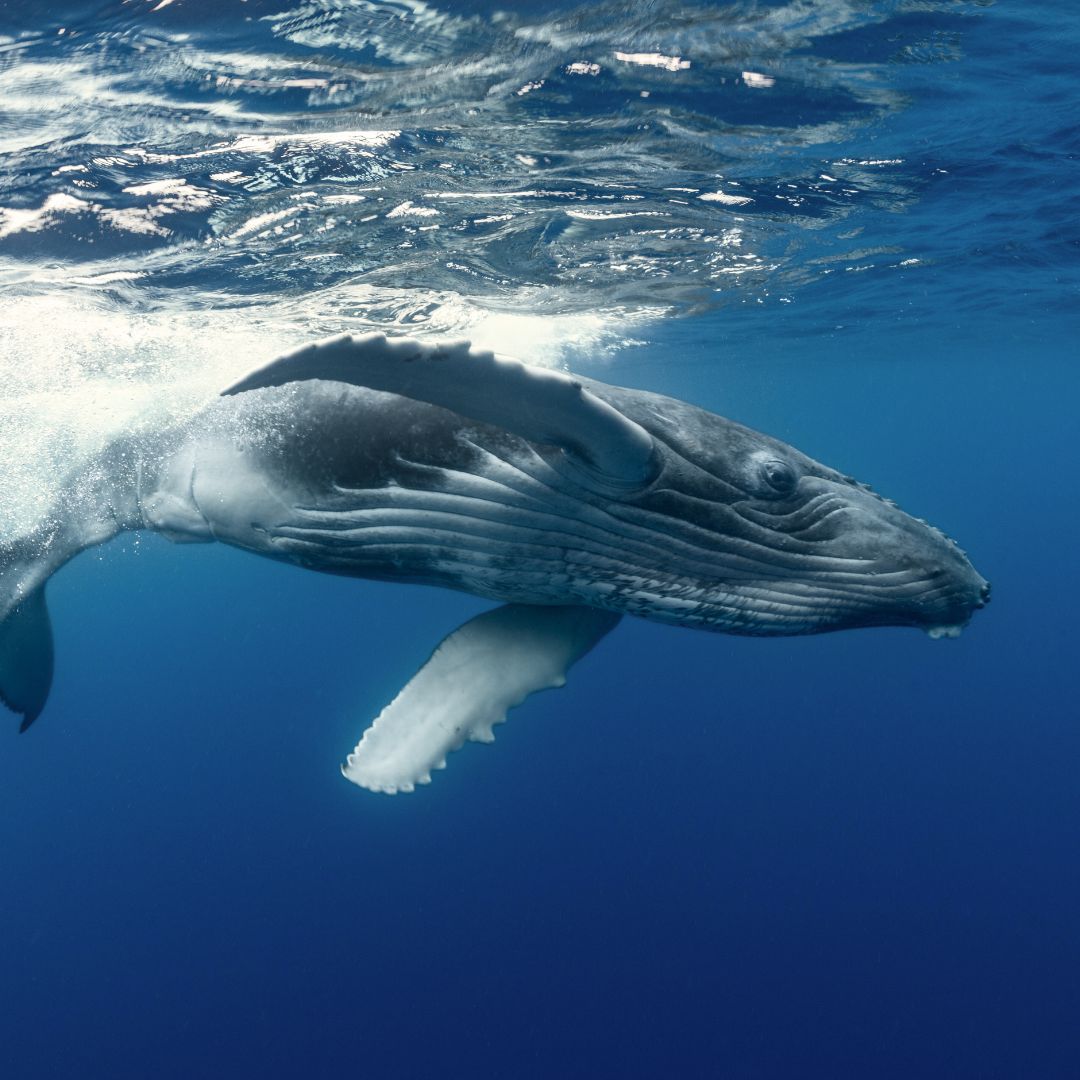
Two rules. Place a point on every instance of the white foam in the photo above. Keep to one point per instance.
(659, 60)
(74, 374)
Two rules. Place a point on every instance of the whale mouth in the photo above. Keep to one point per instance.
(937, 632)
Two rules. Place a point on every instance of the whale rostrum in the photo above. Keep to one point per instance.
(569, 501)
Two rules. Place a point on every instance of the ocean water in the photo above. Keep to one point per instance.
(853, 225)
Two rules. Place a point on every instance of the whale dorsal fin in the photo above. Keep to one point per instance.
(26, 657)
(485, 667)
(536, 403)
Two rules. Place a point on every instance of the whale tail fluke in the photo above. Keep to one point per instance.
(26, 639)
(82, 516)
(26, 657)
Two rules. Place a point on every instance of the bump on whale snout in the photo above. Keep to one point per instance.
(953, 630)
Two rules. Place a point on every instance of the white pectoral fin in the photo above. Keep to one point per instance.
(26, 657)
(536, 403)
(481, 670)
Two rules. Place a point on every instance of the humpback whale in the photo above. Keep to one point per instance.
(569, 501)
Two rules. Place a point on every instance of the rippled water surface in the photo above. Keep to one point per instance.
(852, 223)
(395, 160)
(187, 187)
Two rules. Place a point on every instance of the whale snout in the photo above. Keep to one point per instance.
(982, 597)
(890, 568)
(945, 590)
(978, 597)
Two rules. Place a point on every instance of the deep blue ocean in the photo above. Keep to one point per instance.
(852, 224)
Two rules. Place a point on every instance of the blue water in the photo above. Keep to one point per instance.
(845, 856)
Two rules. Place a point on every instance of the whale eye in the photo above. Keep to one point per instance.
(779, 476)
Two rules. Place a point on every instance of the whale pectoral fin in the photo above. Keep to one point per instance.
(26, 657)
(485, 667)
(535, 403)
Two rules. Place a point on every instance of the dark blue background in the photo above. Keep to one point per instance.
(845, 856)
(848, 855)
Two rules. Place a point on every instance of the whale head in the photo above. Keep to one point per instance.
(755, 537)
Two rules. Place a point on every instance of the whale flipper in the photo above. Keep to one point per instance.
(485, 667)
(26, 657)
(536, 403)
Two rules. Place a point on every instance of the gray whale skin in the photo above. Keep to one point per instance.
(569, 501)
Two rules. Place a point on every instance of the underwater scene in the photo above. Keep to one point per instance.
(717, 360)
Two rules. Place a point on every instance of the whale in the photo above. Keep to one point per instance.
(569, 502)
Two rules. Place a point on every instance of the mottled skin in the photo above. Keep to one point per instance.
(714, 526)
(736, 531)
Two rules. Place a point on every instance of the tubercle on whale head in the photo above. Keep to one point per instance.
(945, 631)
